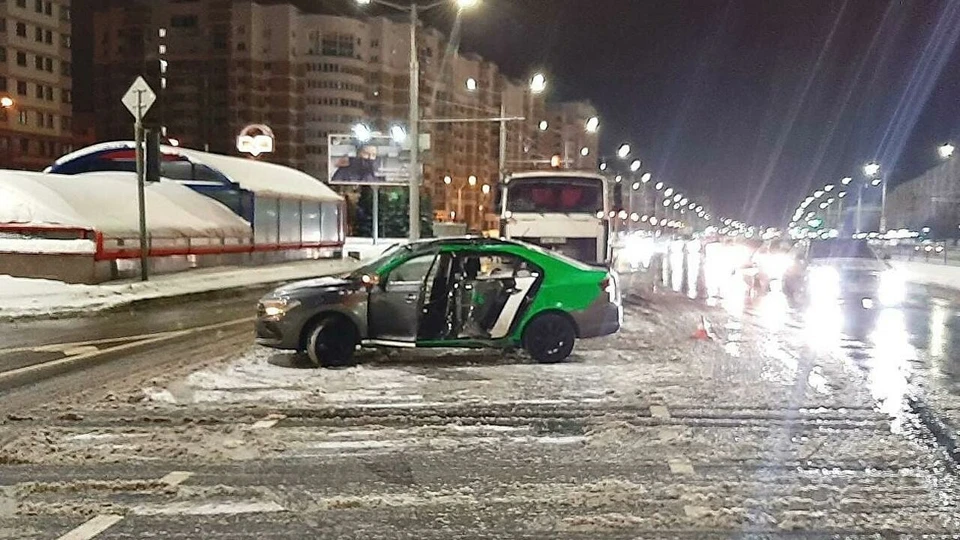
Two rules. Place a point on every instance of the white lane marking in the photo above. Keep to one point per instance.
(12, 374)
(81, 349)
(681, 466)
(509, 311)
(176, 478)
(208, 509)
(695, 512)
(268, 421)
(92, 528)
(61, 347)
(659, 411)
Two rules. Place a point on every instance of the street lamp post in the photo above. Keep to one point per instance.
(414, 119)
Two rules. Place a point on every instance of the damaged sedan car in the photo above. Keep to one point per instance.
(452, 292)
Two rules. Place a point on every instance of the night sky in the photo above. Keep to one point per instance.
(750, 103)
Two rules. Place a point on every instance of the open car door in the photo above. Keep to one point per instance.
(395, 308)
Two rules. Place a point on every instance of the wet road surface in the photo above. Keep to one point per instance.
(784, 425)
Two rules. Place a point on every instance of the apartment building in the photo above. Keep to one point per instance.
(219, 65)
(216, 66)
(36, 121)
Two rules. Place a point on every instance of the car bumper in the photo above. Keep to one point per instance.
(276, 334)
(599, 320)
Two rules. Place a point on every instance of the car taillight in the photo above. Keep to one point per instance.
(606, 284)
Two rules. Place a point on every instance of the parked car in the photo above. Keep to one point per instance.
(842, 271)
(451, 292)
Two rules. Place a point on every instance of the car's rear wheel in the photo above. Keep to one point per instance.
(331, 342)
(549, 338)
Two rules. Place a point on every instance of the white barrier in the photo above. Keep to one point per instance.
(930, 274)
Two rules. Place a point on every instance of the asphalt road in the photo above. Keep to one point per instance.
(772, 429)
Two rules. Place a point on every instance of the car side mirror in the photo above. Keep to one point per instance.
(370, 281)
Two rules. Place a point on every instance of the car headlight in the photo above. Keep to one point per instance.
(775, 265)
(824, 284)
(893, 288)
(275, 308)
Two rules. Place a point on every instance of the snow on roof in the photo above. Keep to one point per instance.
(107, 202)
(260, 177)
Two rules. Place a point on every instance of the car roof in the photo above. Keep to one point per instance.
(460, 241)
(554, 174)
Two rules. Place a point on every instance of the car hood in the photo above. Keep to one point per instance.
(308, 285)
(851, 264)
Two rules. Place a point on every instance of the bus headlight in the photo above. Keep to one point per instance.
(893, 288)
(824, 284)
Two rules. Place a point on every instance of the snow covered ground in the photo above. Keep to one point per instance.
(645, 434)
(21, 297)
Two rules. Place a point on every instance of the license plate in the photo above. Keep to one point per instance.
(553, 240)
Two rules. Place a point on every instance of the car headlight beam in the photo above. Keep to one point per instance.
(278, 307)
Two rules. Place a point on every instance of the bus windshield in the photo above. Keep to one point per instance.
(555, 194)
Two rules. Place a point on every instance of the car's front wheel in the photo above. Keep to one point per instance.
(331, 342)
(549, 338)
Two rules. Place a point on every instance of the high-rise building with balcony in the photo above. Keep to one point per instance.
(219, 65)
(36, 123)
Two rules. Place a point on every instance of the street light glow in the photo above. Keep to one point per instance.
(636, 186)
(945, 150)
(603, 166)
(6, 102)
(447, 180)
(543, 125)
(467, 4)
(362, 132)
(538, 83)
(658, 186)
(871, 169)
(584, 151)
(619, 178)
(398, 134)
(635, 166)
(472, 84)
(472, 180)
(846, 181)
(875, 182)
(485, 189)
(668, 192)
(646, 177)
(842, 194)
(623, 151)
(828, 188)
(593, 124)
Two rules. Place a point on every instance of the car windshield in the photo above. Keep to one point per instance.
(841, 249)
(555, 194)
(371, 267)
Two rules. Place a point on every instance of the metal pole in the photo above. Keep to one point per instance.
(141, 197)
(376, 213)
(460, 203)
(840, 216)
(883, 206)
(503, 141)
(859, 208)
(414, 128)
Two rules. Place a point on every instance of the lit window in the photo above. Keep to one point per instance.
(162, 32)
(162, 49)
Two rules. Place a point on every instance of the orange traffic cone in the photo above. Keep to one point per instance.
(703, 330)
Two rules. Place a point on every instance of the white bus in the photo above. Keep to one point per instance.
(559, 210)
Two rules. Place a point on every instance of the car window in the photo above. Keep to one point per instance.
(412, 271)
(845, 249)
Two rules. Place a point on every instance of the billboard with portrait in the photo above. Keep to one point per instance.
(379, 160)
